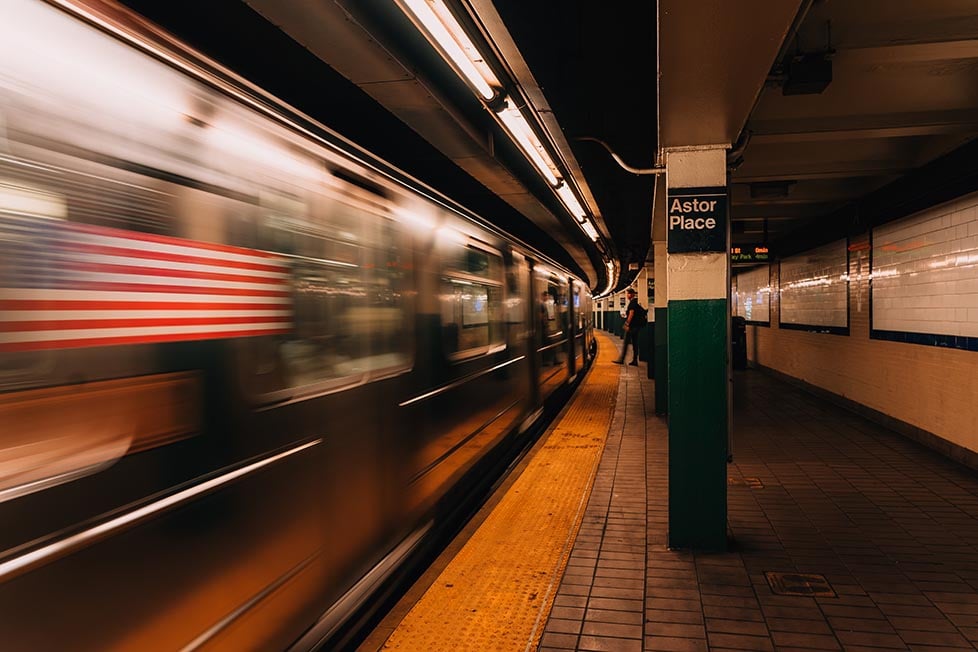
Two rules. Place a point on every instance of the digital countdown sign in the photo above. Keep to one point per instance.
(750, 254)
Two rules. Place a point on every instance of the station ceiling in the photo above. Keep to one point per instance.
(902, 94)
(825, 103)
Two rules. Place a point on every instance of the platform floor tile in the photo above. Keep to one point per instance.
(814, 490)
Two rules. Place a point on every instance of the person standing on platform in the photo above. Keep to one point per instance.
(633, 324)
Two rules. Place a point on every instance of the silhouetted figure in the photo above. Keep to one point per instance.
(632, 328)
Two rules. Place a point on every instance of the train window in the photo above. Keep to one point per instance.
(561, 304)
(472, 302)
(471, 316)
(90, 192)
(516, 289)
(472, 261)
(555, 302)
(384, 319)
(551, 314)
(552, 293)
(349, 313)
(579, 307)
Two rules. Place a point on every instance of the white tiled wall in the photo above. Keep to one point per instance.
(752, 295)
(930, 387)
(925, 271)
(815, 287)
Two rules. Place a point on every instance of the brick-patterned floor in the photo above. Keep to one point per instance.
(892, 526)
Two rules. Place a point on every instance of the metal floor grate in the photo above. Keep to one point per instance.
(807, 584)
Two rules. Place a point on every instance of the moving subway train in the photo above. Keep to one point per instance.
(245, 367)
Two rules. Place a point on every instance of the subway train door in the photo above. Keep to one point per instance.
(578, 319)
(519, 315)
(550, 332)
(573, 364)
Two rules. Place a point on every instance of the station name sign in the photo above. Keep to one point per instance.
(696, 220)
(750, 254)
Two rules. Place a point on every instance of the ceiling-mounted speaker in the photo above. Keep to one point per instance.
(808, 74)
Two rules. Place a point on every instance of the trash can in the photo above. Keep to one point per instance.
(738, 337)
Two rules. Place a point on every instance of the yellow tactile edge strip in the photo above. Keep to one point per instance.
(499, 589)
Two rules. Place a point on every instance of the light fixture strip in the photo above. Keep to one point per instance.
(451, 39)
(569, 199)
(611, 276)
(590, 230)
(462, 38)
(519, 129)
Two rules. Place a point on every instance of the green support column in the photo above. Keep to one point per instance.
(698, 289)
(698, 424)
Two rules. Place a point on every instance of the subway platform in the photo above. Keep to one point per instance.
(843, 535)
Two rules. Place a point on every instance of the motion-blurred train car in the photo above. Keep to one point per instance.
(245, 367)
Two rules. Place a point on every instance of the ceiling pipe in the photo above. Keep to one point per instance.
(619, 161)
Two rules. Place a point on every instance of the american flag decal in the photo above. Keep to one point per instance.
(71, 285)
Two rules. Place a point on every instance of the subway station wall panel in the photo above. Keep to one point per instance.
(927, 387)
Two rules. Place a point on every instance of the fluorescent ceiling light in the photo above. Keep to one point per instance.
(611, 277)
(590, 230)
(519, 129)
(570, 201)
(442, 29)
(448, 36)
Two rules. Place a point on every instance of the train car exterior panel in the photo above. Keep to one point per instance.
(245, 364)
